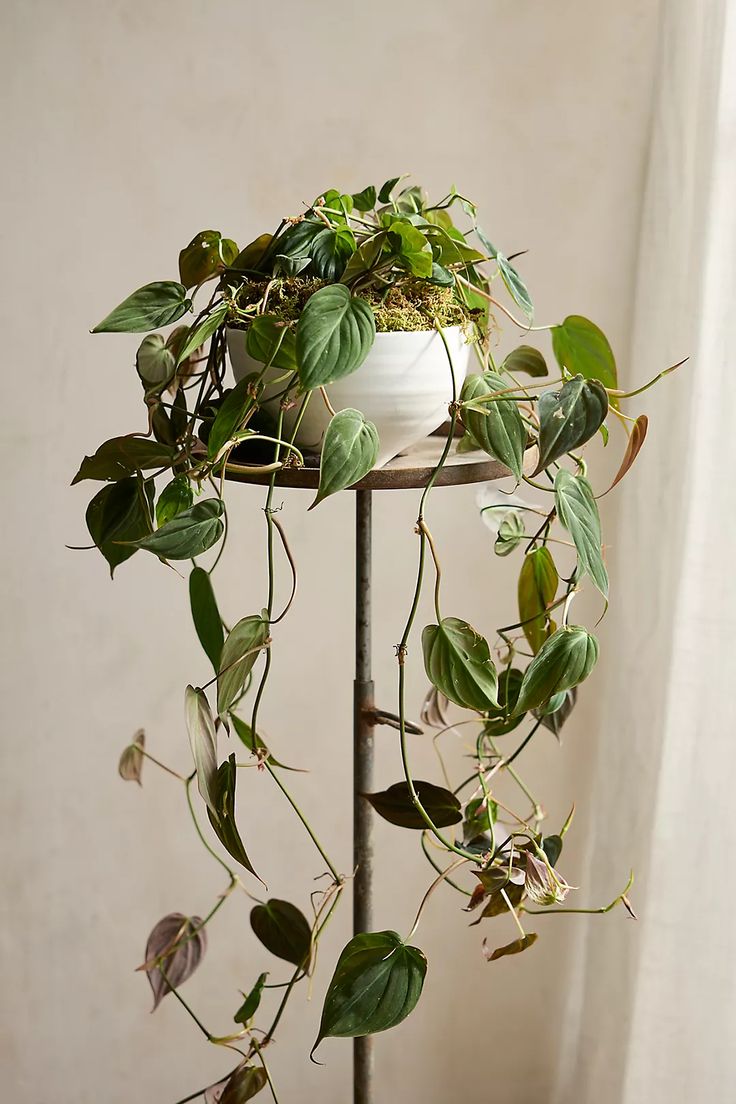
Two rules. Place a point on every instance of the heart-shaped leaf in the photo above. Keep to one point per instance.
(202, 331)
(203, 741)
(239, 653)
(206, 255)
(155, 362)
(175, 497)
(458, 662)
(516, 947)
(377, 983)
(396, 805)
(131, 761)
(578, 512)
(269, 341)
(563, 661)
(411, 247)
(526, 359)
(118, 516)
(349, 451)
(250, 1005)
(583, 349)
(189, 534)
(121, 456)
(365, 200)
(231, 414)
(284, 931)
(222, 812)
(384, 194)
(331, 250)
(243, 1084)
(538, 581)
(569, 417)
(205, 614)
(511, 532)
(249, 258)
(175, 948)
(157, 304)
(499, 430)
(333, 337)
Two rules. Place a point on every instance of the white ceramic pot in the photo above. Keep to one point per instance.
(403, 387)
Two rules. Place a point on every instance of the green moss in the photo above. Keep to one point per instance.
(411, 306)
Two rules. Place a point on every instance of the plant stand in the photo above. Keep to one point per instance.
(411, 470)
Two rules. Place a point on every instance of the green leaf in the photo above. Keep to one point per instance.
(239, 653)
(243, 1084)
(364, 257)
(189, 534)
(249, 259)
(583, 349)
(249, 1007)
(154, 305)
(510, 533)
(333, 337)
(397, 807)
(331, 250)
(569, 417)
(516, 947)
(578, 512)
(175, 497)
(515, 285)
(231, 414)
(476, 817)
(365, 200)
(205, 614)
(377, 983)
(121, 456)
(262, 342)
(552, 847)
(563, 661)
(441, 276)
(554, 715)
(458, 662)
(412, 247)
(222, 813)
(255, 744)
(538, 581)
(203, 742)
(500, 432)
(130, 764)
(206, 255)
(155, 362)
(384, 194)
(526, 359)
(284, 931)
(119, 515)
(200, 333)
(503, 719)
(296, 240)
(349, 451)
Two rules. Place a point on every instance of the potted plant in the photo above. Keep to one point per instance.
(354, 330)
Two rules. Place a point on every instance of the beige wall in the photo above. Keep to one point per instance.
(129, 127)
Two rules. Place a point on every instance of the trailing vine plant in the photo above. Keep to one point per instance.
(308, 299)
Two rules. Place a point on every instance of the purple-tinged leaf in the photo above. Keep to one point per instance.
(175, 948)
(131, 761)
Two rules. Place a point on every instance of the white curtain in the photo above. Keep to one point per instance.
(652, 1010)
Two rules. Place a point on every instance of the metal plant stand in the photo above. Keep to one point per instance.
(411, 470)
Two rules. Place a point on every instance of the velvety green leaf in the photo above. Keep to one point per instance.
(515, 285)
(175, 497)
(290, 266)
(552, 847)
(222, 813)
(349, 451)
(249, 1007)
(231, 414)
(503, 719)
(206, 255)
(476, 817)
(175, 948)
(189, 534)
(255, 744)
(569, 417)
(203, 331)
(239, 653)
(384, 194)
(205, 614)
(578, 512)
(249, 259)
(284, 931)
(296, 240)
(413, 249)
(396, 805)
(334, 335)
(119, 515)
(377, 983)
(516, 947)
(441, 276)
(583, 349)
(526, 359)
(364, 257)
(500, 432)
(203, 742)
(554, 715)
(121, 456)
(538, 581)
(330, 252)
(269, 341)
(243, 1084)
(458, 662)
(510, 533)
(154, 305)
(130, 765)
(155, 362)
(563, 661)
(365, 200)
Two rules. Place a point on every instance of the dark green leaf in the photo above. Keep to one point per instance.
(222, 813)
(203, 742)
(290, 266)
(526, 359)
(121, 456)
(500, 432)
(563, 661)
(249, 1007)
(157, 304)
(249, 259)
(239, 653)
(206, 255)
(516, 947)
(554, 715)
(231, 414)
(396, 805)
(155, 362)
(205, 614)
(384, 195)
(569, 417)
(296, 240)
(552, 847)
(349, 451)
(377, 983)
(364, 258)
(538, 581)
(284, 931)
(201, 332)
(119, 515)
(331, 250)
(412, 248)
(515, 285)
(578, 512)
(175, 497)
(334, 335)
(365, 200)
(583, 349)
(243, 1084)
(175, 948)
(269, 341)
(189, 534)
(510, 533)
(503, 719)
(458, 662)
(441, 276)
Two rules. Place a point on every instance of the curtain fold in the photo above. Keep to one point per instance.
(652, 1008)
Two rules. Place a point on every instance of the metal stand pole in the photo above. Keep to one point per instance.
(362, 771)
